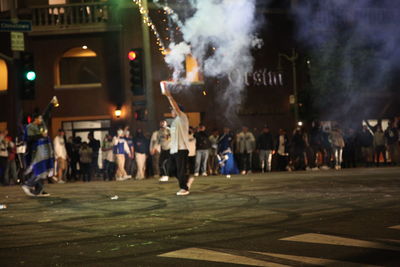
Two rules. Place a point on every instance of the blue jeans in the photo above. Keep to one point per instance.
(201, 161)
(109, 169)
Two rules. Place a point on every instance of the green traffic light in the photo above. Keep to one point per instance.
(30, 75)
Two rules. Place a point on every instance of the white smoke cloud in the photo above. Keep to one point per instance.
(362, 36)
(176, 57)
(220, 35)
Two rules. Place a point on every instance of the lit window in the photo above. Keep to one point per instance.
(193, 73)
(3, 75)
(79, 66)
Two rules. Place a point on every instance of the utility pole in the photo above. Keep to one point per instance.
(148, 71)
(293, 58)
(14, 119)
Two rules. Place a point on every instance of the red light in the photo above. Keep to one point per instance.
(29, 119)
(132, 55)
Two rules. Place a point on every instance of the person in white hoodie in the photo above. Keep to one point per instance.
(179, 146)
(60, 155)
(120, 149)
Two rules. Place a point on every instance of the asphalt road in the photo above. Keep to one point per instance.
(324, 218)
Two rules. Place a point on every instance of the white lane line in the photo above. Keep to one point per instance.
(336, 240)
(216, 256)
(397, 227)
(313, 261)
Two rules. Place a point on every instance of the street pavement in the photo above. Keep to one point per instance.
(309, 218)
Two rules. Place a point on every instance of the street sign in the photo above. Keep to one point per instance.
(17, 26)
(17, 41)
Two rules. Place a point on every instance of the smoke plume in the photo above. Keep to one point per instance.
(354, 45)
(220, 35)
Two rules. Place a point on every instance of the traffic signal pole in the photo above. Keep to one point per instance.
(14, 119)
(148, 73)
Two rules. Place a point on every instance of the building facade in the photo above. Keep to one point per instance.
(80, 54)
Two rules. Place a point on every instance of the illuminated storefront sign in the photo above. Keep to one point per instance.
(258, 78)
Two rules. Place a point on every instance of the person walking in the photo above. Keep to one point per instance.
(213, 153)
(245, 144)
(225, 156)
(392, 142)
(108, 158)
(265, 146)
(192, 153)
(155, 150)
(282, 148)
(4, 148)
(379, 144)
(365, 140)
(120, 149)
(85, 161)
(164, 141)
(337, 142)
(141, 148)
(130, 164)
(202, 150)
(61, 156)
(94, 144)
(11, 168)
(40, 156)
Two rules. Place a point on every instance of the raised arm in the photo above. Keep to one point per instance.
(167, 93)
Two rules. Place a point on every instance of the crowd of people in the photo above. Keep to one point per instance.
(209, 153)
(184, 152)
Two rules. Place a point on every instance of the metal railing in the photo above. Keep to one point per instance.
(72, 14)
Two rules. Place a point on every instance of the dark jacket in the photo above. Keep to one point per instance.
(365, 138)
(265, 141)
(391, 135)
(141, 144)
(202, 141)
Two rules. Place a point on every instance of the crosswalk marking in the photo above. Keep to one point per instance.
(311, 260)
(336, 240)
(216, 256)
(226, 257)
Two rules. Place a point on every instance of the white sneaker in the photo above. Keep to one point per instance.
(196, 174)
(126, 177)
(324, 167)
(243, 172)
(28, 190)
(164, 178)
(120, 179)
(204, 174)
(228, 176)
(61, 182)
(190, 182)
(182, 192)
